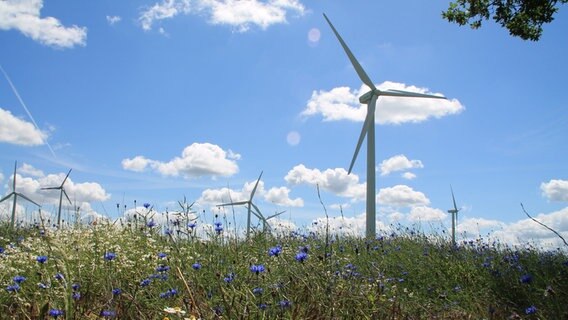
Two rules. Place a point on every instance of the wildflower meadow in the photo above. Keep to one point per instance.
(138, 269)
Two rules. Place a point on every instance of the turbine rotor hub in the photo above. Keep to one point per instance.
(366, 97)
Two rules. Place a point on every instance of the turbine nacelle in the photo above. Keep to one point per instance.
(364, 99)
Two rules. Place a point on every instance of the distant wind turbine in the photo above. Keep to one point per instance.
(370, 98)
(265, 225)
(250, 206)
(62, 192)
(16, 195)
(454, 213)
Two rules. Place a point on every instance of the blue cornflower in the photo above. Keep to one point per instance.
(145, 282)
(19, 279)
(285, 304)
(109, 256)
(13, 288)
(191, 225)
(196, 266)
(108, 313)
(162, 268)
(1, 250)
(162, 255)
(146, 205)
(59, 276)
(42, 285)
(301, 256)
(218, 229)
(54, 313)
(526, 278)
(75, 286)
(169, 293)
(262, 306)
(151, 223)
(257, 268)
(530, 310)
(116, 291)
(168, 232)
(274, 251)
(76, 295)
(257, 291)
(229, 278)
(41, 259)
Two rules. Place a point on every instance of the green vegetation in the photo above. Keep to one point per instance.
(104, 271)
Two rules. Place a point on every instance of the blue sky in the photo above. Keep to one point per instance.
(153, 101)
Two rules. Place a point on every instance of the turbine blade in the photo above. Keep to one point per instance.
(454, 199)
(364, 129)
(260, 215)
(14, 182)
(67, 176)
(51, 188)
(8, 196)
(256, 185)
(409, 94)
(66, 196)
(275, 215)
(362, 75)
(30, 200)
(238, 203)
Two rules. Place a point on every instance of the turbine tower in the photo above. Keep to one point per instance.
(250, 206)
(16, 195)
(454, 213)
(61, 193)
(370, 98)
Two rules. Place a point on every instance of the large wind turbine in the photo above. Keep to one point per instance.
(15, 194)
(61, 193)
(454, 213)
(265, 224)
(370, 98)
(250, 206)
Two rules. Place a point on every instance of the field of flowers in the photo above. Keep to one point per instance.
(138, 271)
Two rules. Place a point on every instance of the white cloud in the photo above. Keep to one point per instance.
(423, 213)
(236, 13)
(29, 170)
(17, 131)
(136, 164)
(474, 227)
(408, 175)
(348, 226)
(112, 20)
(335, 180)
(342, 103)
(398, 163)
(198, 159)
(555, 190)
(281, 197)
(24, 16)
(401, 196)
(526, 230)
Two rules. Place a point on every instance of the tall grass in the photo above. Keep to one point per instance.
(106, 271)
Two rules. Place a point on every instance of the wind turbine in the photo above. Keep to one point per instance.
(454, 213)
(250, 206)
(370, 98)
(61, 193)
(16, 194)
(265, 221)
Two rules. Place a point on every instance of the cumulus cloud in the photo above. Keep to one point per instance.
(335, 180)
(342, 103)
(398, 163)
(30, 170)
(473, 227)
(423, 213)
(17, 131)
(112, 20)
(281, 196)
(348, 226)
(408, 175)
(24, 16)
(198, 159)
(238, 14)
(401, 196)
(555, 190)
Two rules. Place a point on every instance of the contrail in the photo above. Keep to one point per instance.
(25, 107)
